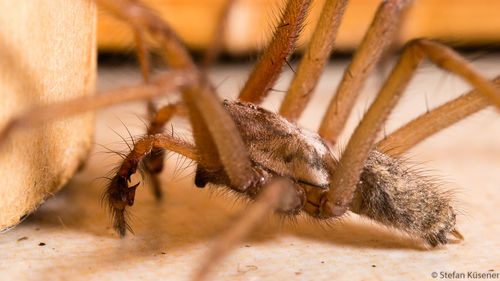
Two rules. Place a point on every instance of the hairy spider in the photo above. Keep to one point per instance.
(258, 153)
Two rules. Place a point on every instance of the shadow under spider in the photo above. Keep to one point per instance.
(187, 215)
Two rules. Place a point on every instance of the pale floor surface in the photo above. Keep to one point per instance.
(172, 236)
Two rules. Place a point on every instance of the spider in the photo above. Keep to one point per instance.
(266, 156)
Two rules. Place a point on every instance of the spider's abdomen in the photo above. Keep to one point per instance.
(398, 196)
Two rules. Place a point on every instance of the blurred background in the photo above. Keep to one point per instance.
(462, 23)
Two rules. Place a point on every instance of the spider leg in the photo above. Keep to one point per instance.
(162, 84)
(377, 39)
(433, 121)
(215, 46)
(278, 51)
(346, 174)
(269, 200)
(142, 53)
(143, 58)
(140, 17)
(154, 161)
(218, 131)
(313, 61)
(174, 52)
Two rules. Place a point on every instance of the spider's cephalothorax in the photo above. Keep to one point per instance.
(276, 147)
(388, 191)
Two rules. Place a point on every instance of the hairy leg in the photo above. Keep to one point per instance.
(143, 58)
(175, 55)
(377, 39)
(221, 134)
(433, 121)
(165, 83)
(142, 54)
(272, 197)
(140, 17)
(278, 51)
(314, 60)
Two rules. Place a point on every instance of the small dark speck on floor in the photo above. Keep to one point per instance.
(374, 265)
(491, 270)
(248, 246)
(41, 244)
(322, 261)
(22, 238)
(252, 267)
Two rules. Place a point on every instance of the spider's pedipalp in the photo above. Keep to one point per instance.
(118, 195)
(153, 162)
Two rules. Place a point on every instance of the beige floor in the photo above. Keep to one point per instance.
(172, 236)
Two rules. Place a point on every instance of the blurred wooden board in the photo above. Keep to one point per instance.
(47, 54)
(459, 22)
